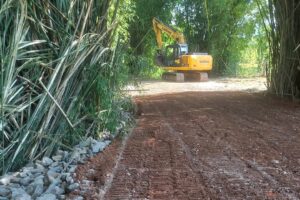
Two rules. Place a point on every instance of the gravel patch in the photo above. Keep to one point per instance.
(50, 178)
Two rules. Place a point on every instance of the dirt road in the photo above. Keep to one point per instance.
(155, 87)
(203, 145)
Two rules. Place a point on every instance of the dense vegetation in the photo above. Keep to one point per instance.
(231, 31)
(284, 37)
(60, 76)
(64, 62)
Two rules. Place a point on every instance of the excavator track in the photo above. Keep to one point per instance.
(185, 76)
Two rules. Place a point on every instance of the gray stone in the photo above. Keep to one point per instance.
(47, 196)
(73, 186)
(97, 146)
(57, 158)
(69, 179)
(30, 164)
(85, 143)
(46, 161)
(39, 189)
(36, 175)
(65, 165)
(55, 164)
(26, 171)
(25, 181)
(39, 180)
(66, 155)
(55, 189)
(56, 181)
(60, 190)
(81, 161)
(91, 171)
(15, 179)
(60, 152)
(57, 169)
(82, 191)
(78, 198)
(64, 176)
(107, 142)
(4, 191)
(51, 189)
(52, 176)
(86, 182)
(40, 167)
(5, 180)
(275, 161)
(83, 150)
(90, 153)
(72, 168)
(75, 155)
(30, 189)
(14, 185)
(19, 194)
(23, 174)
(61, 197)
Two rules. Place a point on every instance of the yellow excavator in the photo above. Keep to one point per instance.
(179, 63)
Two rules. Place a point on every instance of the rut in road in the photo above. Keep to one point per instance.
(204, 145)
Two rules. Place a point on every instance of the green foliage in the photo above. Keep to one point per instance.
(283, 28)
(60, 76)
(142, 67)
(140, 38)
(191, 17)
(233, 32)
(141, 34)
(226, 29)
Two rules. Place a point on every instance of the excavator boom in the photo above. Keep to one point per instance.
(160, 27)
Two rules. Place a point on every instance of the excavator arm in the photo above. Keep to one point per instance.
(159, 27)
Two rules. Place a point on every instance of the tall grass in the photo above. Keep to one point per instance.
(56, 71)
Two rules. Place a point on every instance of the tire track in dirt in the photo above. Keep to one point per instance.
(288, 192)
(167, 171)
(209, 168)
(108, 181)
(188, 154)
(210, 145)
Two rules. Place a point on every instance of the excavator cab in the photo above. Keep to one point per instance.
(171, 55)
(174, 53)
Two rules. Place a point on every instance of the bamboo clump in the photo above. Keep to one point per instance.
(51, 55)
(284, 40)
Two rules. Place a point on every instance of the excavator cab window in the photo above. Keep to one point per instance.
(172, 53)
(184, 49)
(176, 52)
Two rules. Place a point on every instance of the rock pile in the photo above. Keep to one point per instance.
(49, 178)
